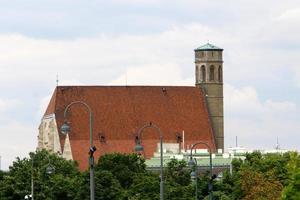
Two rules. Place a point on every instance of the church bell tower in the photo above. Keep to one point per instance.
(209, 78)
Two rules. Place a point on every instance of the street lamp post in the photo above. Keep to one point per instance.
(49, 170)
(139, 147)
(194, 176)
(192, 162)
(65, 129)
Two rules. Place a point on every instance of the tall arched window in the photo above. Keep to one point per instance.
(198, 78)
(220, 74)
(212, 73)
(203, 74)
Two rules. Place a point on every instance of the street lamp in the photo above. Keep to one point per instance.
(49, 170)
(194, 176)
(193, 162)
(65, 129)
(139, 148)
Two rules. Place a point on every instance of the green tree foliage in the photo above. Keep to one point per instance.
(129, 171)
(178, 181)
(61, 184)
(292, 190)
(123, 167)
(144, 186)
(125, 177)
(176, 172)
(106, 186)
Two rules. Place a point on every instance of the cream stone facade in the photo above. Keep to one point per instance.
(48, 138)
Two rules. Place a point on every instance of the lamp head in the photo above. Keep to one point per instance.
(92, 150)
(193, 175)
(138, 148)
(49, 169)
(65, 128)
(191, 163)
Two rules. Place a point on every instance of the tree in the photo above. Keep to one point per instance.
(291, 191)
(177, 172)
(178, 181)
(106, 186)
(145, 186)
(256, 186)
(122, 166)
(62, 184)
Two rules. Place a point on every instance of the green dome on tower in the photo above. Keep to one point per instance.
(208, 47)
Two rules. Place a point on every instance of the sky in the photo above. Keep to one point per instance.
(151, 42)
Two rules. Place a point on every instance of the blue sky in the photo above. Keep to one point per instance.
(151, 42)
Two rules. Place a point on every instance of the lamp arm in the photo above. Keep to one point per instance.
(90, 116)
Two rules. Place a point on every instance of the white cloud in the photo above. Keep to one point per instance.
(257, 123)
(43, 106)
(245, 100)
(135, 2)
(290, 14)
(7, 104)
(284, 106)
(161, 74)
(89, 60)
(17, 140)
(242, 99)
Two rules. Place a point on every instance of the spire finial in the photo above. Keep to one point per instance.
(57, 80)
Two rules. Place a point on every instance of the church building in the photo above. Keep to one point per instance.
(184, 114)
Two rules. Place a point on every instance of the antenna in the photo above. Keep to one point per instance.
(277, 147)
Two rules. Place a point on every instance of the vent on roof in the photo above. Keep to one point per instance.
(179, 138)
(164, 90)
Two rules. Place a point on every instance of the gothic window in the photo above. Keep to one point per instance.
(212, 73)
(220, 74)
(203, 73)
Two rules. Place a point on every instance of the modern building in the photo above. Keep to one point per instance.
(183, 114)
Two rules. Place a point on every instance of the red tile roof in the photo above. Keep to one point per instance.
(120, 111)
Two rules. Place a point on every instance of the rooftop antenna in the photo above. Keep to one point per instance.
(57, 80)
(277, 147)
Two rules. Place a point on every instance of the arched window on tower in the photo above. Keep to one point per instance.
(197, 74)
(220, 74)
(212, 73)
(203, 74)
